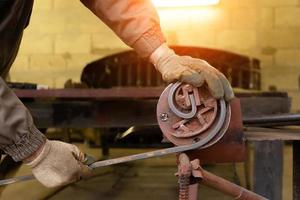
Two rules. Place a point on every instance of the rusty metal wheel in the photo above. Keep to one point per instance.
(187, 114)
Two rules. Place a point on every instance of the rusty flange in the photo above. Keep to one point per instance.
(187, 114)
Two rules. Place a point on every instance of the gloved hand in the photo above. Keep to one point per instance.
(190, 70)
(58, 163)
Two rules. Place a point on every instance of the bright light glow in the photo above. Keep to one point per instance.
(184, 3)
(183, 19)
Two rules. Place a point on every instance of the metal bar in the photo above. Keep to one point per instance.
(271, 134)
(16, 179)
(273, 120)
(193, 191)
(226, 187)
(141, 156)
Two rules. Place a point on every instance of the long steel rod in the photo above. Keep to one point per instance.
(16, 179)
(273, 120)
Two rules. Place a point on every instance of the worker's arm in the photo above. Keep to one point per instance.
(53, 163)
(136, 22)
(18, 136)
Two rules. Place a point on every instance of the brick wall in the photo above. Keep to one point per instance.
(63, 36)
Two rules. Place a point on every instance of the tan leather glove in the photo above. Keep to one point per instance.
(190, 70)
(59, 163)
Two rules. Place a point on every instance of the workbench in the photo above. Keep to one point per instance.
(125, 107)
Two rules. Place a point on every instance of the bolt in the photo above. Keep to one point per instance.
(196, 140)
(164, 117)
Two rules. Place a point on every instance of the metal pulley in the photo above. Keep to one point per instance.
(188, 114)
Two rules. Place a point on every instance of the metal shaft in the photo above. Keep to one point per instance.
(16, 179)
(273, 120)
(229, 188)
(141, 156)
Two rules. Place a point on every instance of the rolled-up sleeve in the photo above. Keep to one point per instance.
(135, 21)
(18, 135)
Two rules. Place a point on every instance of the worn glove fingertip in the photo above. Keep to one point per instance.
(168, 79)
(229, 96)
(216, 95)
(195, 79)
(216, 90)
(228, 92)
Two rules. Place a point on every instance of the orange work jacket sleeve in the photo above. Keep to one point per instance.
(136, 22)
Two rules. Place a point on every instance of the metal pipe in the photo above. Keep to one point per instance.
(273, 120)
(193, 191)
(231, 189)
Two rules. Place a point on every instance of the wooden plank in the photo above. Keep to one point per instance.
(296, 170)
(268, 169)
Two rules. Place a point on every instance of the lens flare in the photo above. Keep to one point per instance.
(184, 3)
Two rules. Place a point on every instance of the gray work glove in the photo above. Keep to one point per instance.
(58, 164)
(190, 70)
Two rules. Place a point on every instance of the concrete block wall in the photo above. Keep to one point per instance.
(63, 36)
